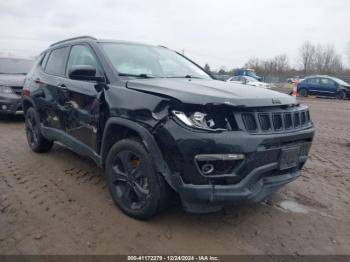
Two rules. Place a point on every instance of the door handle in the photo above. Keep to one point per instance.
(63, 86)
(38, 81)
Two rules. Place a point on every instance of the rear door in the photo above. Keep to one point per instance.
(81, 106)
(329, 87)
(48, 96)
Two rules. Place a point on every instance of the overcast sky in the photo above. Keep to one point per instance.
(221, 33)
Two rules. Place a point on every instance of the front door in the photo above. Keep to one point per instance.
(82, 105)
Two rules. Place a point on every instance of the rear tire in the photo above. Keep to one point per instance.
(35, 139)
(302, 93)
(132, 180)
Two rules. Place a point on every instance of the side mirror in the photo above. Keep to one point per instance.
(84, 73)
(244, 81)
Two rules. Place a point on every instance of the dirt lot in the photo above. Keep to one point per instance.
(57, 203)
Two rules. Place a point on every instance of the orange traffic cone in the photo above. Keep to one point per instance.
(295, 88)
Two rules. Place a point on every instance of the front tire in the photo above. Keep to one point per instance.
(36, 141)
(341, 95)
(132, 180)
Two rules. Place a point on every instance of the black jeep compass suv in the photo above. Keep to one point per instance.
(157, 122)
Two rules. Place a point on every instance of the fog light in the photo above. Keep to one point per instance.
(207, 168)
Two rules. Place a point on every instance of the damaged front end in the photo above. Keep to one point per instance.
(218, 153)
(221, 154)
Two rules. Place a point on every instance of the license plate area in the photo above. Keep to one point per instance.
(289, 157)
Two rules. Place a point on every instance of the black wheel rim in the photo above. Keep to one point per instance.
(129, 182)
(31, 130)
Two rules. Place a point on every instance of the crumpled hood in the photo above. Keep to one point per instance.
(12, 80)
(200, 91)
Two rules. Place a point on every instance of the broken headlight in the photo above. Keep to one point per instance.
(201, 121)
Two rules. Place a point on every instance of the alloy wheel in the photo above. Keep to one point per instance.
(130, 184)
(31, 130)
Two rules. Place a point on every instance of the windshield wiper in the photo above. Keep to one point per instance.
(139, 75)
(186, 76)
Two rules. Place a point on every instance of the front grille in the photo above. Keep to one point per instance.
(275, 121)
(264, 122)
(249, 122)
(288, 123)
(17, 90)
(296, 119)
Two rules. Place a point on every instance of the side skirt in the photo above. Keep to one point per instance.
(71, 142)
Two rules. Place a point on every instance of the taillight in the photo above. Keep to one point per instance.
(26, 91)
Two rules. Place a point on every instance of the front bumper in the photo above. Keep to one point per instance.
(251, 180)
(10, 104)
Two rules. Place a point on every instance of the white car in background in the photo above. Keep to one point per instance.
(247, 80)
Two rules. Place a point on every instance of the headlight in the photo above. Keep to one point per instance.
(198, 120)
(5, 90)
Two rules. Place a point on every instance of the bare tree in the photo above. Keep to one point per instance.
(307, 55)
(327, 61)
(347, 53)
(207, 68)
(281, 63)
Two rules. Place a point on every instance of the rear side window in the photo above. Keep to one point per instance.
(57, 61)
(44, 60)
(327, 82)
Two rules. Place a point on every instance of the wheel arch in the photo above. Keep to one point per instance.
(27, 102)
(123, 128)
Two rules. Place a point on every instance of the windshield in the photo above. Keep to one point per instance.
(15, 66)
(250, 79)
(136, 60)
(251, 73)
(340, 82)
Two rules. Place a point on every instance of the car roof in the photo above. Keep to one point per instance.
(93, 39)
(15, 58)
(338, 80)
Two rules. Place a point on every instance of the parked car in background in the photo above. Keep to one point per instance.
(247, 80)
(247, 72)
(12, 74)
(322, 85)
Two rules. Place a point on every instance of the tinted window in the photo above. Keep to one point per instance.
(82, 55)
(44, 60)
(313, 81)
(236, 78)
(15, 66)
(57, 61)
(327, 82)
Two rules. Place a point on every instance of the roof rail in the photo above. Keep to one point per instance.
(74, 38)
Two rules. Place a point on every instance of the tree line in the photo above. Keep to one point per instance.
(312, 59)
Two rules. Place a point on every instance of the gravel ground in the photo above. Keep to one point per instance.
(58, 203)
